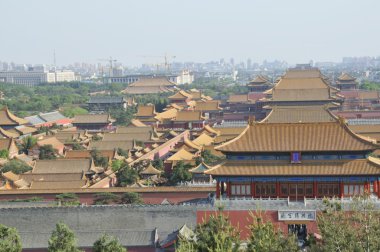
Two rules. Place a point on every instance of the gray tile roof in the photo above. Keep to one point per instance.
(52, 116)
(134, 225)
(34, 120)
(86, 238)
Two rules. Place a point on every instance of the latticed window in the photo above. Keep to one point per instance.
(241, 190)
(265, 189)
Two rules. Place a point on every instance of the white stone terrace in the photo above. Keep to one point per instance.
(282, 203)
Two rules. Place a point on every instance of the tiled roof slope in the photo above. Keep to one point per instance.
(186, 116)
(277, 137)
(146, 110)
(102, 118)
(306, 89)
(207, 106)
(295, 114)
(62, 166)
(306, 168)
(7, 118)
(152, 81)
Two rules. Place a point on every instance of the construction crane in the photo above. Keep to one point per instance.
(166, 58)
(111, 62)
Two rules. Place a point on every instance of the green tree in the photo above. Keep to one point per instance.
(116, 165)
(44, 129)
(158, 164)
(217, 235)
(180, 173)
(209, 158)
(105, 198)
(9, 239)
(99, 160)
(126, 176)
(67, 199)
(77, 146)
(130, 198)
(266, 238)
(62, 239)
(108, 243)
(122, 117)
(47, 152)
(28, 143)
(96, 138)
(4, 153)
(355, 228)
(16, 166)
(122, 152)
(72, 111)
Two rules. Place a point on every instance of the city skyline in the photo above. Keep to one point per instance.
(138, 32)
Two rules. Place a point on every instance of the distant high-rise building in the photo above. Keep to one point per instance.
(221, 62)
(232, 62)
(249, 64)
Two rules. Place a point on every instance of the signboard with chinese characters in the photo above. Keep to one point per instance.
(296, 215)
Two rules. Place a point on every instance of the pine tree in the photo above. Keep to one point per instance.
(9, 240)
(62, 239)
(108, 243)
(217, 235)
(266, 238)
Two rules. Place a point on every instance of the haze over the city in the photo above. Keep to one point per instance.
(133, 31)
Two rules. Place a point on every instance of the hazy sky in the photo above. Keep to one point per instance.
(193, 30)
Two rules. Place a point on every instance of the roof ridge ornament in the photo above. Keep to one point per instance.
(251, 120)
(342, 120)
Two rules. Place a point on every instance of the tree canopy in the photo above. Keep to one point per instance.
(126, 176)
(9, 239)
(355, 230)
(180, 173)
(99, 160)
(62, 239)
(67, 199)
(266, 238)
(216, 234)
(4, 153)
(108, 243)
(28, 143)
(47, 152)
(105, 198)
(16, 166)
(130, 198)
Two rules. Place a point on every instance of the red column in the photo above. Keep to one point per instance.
(278, 189)
(315, 189)
(375, 186)
(341, 189)
(217, 189)
(228, 189)
(253, 189)
(366, 186)
(378, 189)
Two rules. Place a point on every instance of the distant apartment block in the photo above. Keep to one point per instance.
(62, 76)
(32, 78)
(184, 77)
